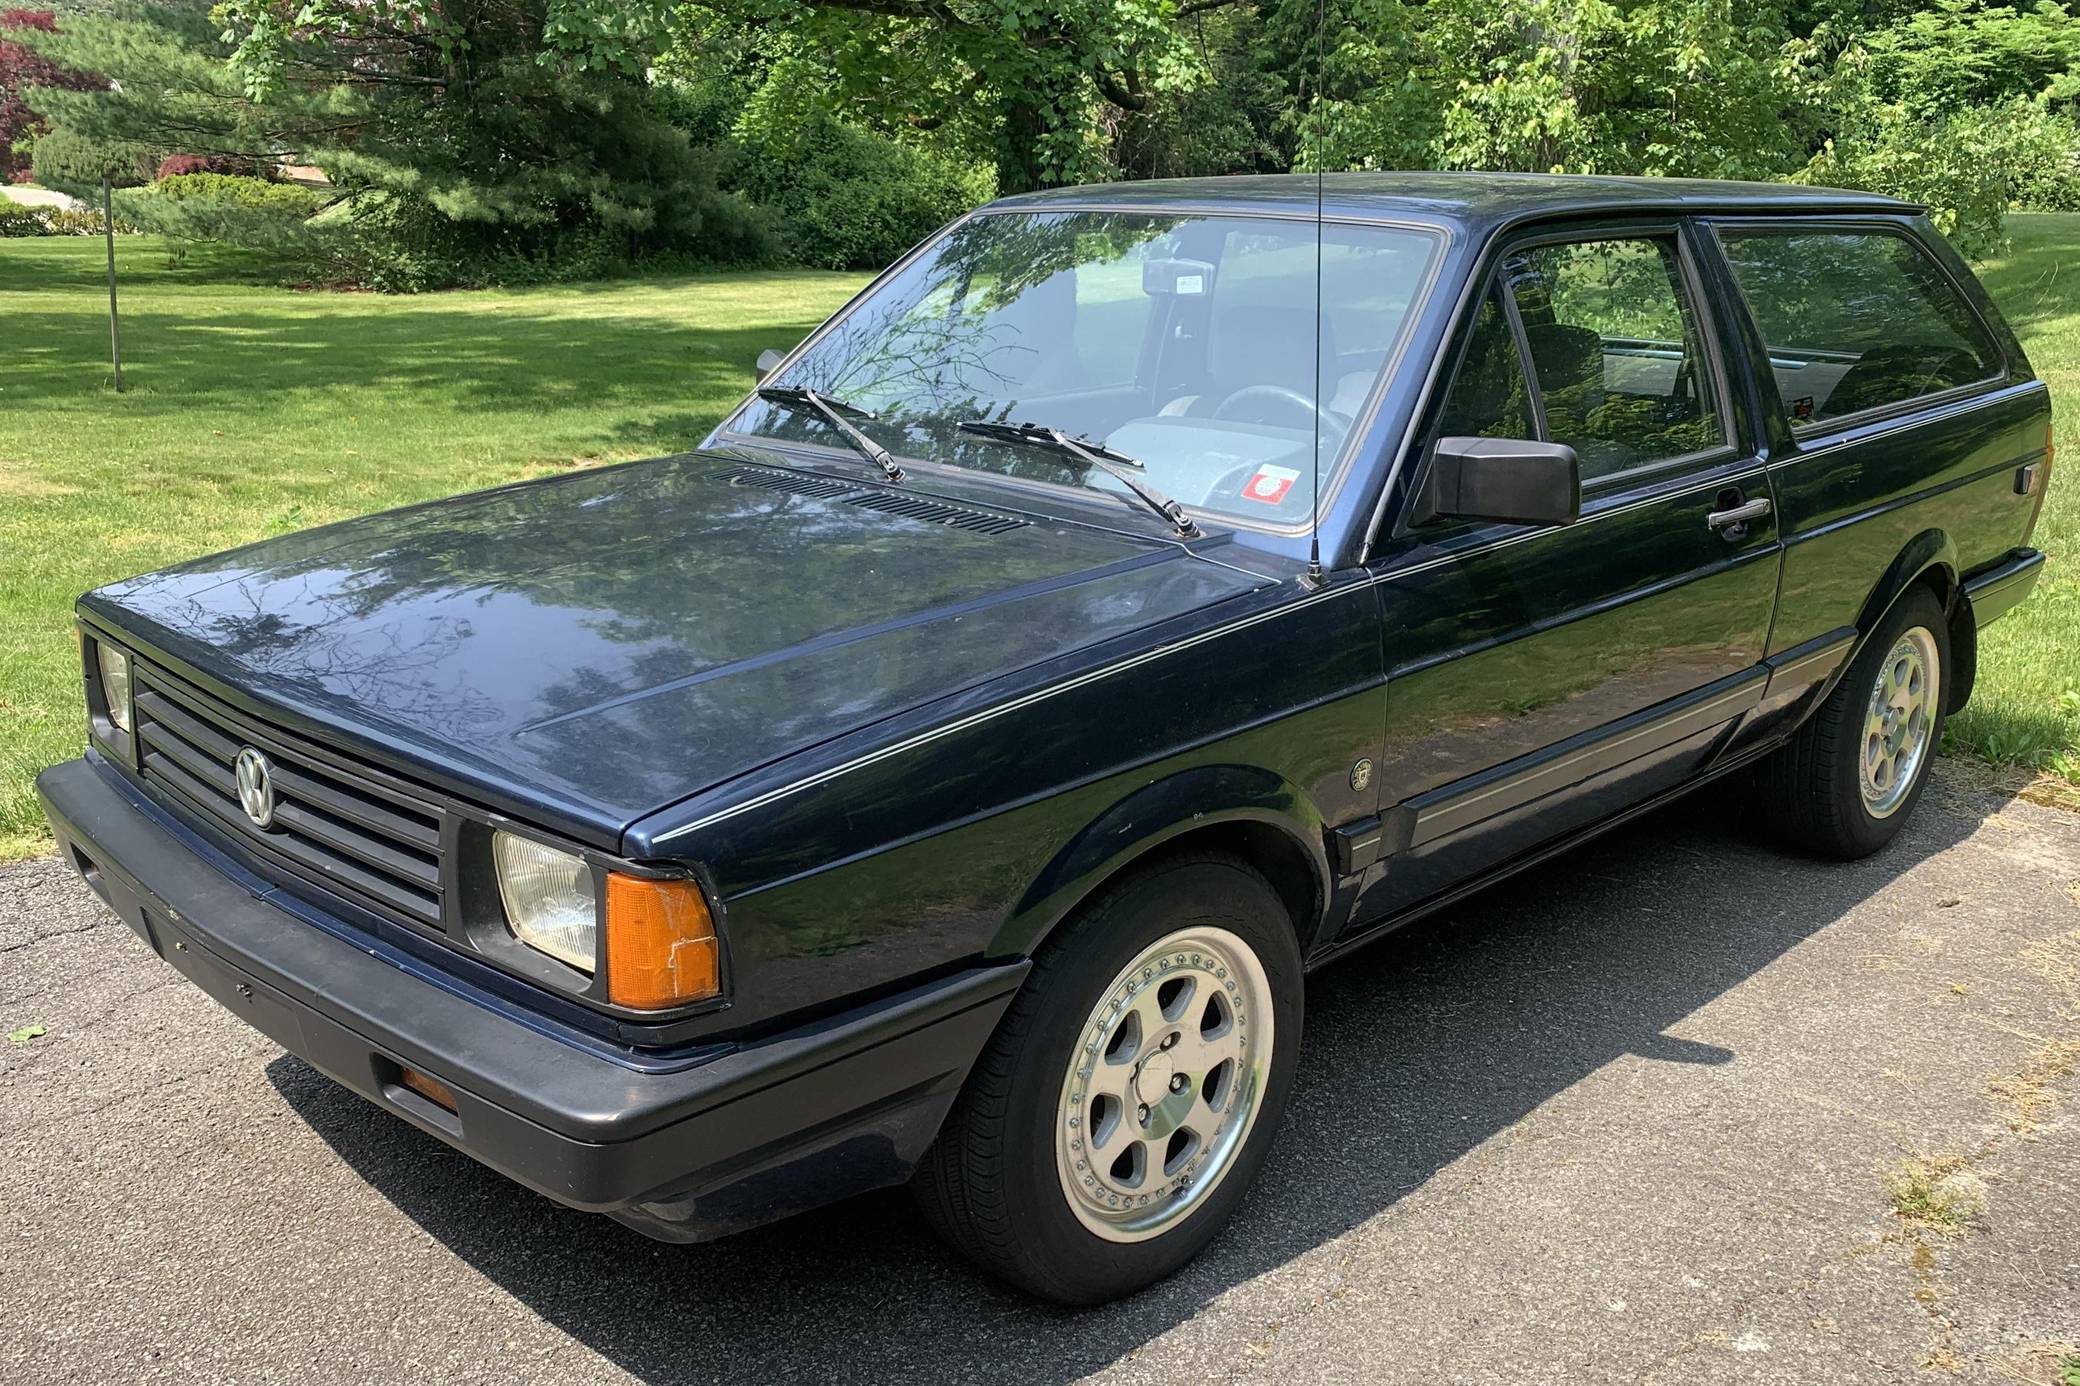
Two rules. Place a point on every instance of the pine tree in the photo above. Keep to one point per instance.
(21, 68)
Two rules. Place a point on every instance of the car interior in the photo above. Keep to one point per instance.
(1188, 344)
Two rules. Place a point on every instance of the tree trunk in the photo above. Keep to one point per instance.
(1018, 153)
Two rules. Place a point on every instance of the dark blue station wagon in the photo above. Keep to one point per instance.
(1133, 599)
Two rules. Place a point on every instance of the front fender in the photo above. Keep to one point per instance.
(1204, 797)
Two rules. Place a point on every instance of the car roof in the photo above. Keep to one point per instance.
(1460, 199)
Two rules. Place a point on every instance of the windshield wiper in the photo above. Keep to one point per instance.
(833, 412)
(1091, 454)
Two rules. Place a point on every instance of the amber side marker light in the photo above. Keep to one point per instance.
(661, 945)
(427, 1086)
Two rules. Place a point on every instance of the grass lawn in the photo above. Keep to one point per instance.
(252, 410)
(2026, 707)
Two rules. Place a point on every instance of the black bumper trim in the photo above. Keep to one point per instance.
(566, 1120)
(2001, 588)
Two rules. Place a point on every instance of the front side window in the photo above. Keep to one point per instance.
(1855, 320)
(1489, 398)
(1615, 352)
(1190, 344)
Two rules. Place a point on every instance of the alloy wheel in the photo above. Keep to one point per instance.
(1165, 1083)
(1899, 724)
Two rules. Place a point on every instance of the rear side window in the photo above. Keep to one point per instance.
(1856, 320)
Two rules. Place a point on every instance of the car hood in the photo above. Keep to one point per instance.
(590, 648)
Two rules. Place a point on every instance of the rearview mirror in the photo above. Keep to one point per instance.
(1511, 480)
(1182, 277)
(768, 359)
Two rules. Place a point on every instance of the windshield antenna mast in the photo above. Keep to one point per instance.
(1315, 576)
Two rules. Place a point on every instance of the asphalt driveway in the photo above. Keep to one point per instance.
(1675, 1108)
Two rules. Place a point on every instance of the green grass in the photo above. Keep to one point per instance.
(2025, 709)
(252, 410)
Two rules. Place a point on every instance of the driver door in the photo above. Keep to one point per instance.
(1541, 679)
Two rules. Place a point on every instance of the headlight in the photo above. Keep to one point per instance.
(549, 898)
(115, 684)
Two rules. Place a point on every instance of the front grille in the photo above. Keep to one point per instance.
(349, 830)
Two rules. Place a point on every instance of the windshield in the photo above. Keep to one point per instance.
(1187, 343)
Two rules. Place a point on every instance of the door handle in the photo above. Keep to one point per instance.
(1739, 514)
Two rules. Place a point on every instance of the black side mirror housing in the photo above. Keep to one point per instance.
(768, 359)
(1508, 480)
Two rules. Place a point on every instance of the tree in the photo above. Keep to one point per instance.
(454, 134)
(22, 67)
(563, 133)
(1689, 87)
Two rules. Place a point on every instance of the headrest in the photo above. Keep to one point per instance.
(1566, 357)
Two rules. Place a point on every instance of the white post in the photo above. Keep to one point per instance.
(108, 229)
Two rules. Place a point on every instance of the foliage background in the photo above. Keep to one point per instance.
(470, 143)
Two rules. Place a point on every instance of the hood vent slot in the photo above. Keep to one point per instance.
(852, 493)
(759, 477)
(932, 512)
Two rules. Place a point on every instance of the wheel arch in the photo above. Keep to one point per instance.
(1249, 813)
(1928, 560)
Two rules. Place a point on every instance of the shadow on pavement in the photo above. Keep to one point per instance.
(1417, 1050)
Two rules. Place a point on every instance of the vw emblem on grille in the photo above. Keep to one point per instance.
(255, 787)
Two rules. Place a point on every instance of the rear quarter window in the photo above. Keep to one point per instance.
(1855, 320)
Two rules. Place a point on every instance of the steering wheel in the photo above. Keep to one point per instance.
(1290, 401)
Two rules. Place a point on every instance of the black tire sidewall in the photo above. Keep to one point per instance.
(1063, 1259)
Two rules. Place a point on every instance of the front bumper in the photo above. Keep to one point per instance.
(729, 1138)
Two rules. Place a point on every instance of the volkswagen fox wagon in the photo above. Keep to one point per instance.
(1136, 597)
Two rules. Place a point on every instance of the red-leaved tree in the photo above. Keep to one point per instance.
(21, 69)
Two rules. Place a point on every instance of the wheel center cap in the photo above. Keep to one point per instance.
(1152, 1082)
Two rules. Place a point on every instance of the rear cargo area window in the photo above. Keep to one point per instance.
(1856, 320)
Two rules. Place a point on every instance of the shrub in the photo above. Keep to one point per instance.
(71, 162)
(17, 221)
(180, 164)
(240, 190)
(76, 221)
(271, 218)
(392, 245)
(1969, 167)
(848, 198)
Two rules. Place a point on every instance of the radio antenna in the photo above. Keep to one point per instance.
(1315, 577)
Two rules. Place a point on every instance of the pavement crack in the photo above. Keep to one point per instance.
(45, 937)
(115, 1100)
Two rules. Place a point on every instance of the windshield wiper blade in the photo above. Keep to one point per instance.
(1090, 453)
(834, 412)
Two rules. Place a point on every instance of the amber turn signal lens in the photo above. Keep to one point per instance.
(427, 1086)
(661, 946)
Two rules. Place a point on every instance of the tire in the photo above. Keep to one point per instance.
(1817, 790)
(1163, 973)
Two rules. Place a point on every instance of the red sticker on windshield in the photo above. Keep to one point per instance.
(1270, 484)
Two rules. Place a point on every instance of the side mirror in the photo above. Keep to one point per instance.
(1510, 480)
(768, 359)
